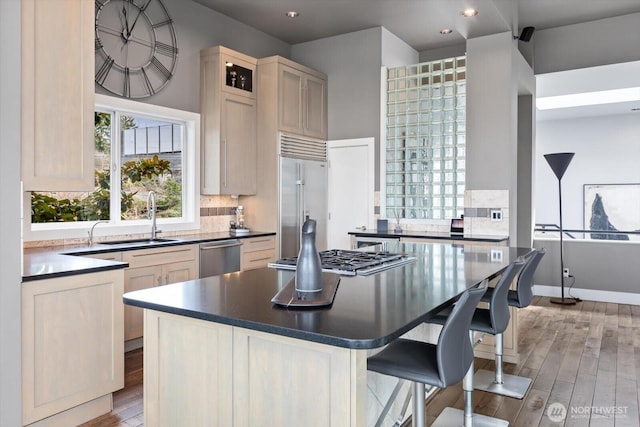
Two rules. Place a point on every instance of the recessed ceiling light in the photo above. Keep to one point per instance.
(589, 98)
(446, 31)
(292, 14)
(468, 13)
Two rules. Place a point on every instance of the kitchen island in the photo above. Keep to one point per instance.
(217, 352)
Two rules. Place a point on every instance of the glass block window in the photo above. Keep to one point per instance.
(425, 140)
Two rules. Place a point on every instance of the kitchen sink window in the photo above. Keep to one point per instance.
(425, 140)
(139, 148)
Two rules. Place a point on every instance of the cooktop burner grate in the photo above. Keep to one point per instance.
(348, 262)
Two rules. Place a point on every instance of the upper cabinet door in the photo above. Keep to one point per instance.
(302, 103)
(57, 95)
(238, 153)
(315, 118)
(291, 102)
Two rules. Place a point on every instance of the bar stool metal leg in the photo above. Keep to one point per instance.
(498, 382)
(418, 404)
(455, 417)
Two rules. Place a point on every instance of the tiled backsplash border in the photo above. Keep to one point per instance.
(217, 211)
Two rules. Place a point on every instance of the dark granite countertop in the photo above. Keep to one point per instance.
(368, 311)
(428, 235)
(59, 261)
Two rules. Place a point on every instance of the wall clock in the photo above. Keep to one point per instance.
(136, 49)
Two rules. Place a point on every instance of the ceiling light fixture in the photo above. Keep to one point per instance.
(468, 13)
(589, 98)
(292, 14)
(446, 31)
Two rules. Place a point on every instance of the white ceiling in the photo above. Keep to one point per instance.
(417, 22)
(585, 80)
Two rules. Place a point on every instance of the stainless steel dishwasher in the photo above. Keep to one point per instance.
(219, 257)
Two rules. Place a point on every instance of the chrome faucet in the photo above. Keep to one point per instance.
(90, 232)
(151, 213)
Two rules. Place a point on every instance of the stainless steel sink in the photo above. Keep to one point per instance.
(137, 241)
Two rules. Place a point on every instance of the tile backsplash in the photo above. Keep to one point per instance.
(481, 209)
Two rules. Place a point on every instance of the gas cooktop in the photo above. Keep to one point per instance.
(351, 263)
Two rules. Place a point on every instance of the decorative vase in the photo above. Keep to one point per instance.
(308, 267)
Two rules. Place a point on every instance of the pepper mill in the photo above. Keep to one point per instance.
(308, 266)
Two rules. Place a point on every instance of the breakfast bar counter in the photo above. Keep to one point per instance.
(218, 352)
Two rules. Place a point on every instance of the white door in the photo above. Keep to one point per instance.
(351, 188)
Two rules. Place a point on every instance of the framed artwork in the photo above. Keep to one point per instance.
(612, 207)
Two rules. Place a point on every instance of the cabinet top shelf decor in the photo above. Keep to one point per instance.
(236, 70)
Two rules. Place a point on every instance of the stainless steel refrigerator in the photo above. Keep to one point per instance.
(303, 194)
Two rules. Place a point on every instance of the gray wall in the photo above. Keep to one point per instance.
(605, 266)
(10, 224)
(605, 41)
(198, 27)
(443, 52)
(525, 146)
(353, 64)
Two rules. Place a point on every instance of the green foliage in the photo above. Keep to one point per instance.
(102, 132)
(170, 202)
(149, 168)
(136, 174)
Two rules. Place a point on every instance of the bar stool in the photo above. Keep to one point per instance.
(497, 382)
(494, 321)
(438, 365)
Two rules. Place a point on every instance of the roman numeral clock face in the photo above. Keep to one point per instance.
(136, 49)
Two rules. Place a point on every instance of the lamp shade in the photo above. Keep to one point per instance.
(559, 162)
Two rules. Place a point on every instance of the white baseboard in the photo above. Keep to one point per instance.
(588, 294)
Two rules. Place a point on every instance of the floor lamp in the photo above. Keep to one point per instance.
(559, 163)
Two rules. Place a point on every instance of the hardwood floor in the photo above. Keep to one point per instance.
(585, 357)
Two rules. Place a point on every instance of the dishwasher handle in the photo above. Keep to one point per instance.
(222, 244)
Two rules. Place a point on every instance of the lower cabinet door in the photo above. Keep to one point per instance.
(179, 272)
(135, 280)
(72, 343)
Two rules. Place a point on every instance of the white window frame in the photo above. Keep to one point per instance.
(190, 219)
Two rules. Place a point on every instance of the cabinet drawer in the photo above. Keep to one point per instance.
(158, 256)
(258, 244)
(257, 259)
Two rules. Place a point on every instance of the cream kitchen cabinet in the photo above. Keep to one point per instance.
(301, 96)
(257, 252)
(58, 95)
(155, 267)
(72, 347)
(228, 114)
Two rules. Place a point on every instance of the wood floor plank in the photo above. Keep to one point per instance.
(533, 408)
(581, 397)
(560, 394)
(571, 361)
